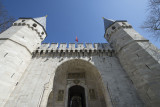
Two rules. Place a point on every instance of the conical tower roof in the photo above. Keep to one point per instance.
(107, 23)
(41, 20)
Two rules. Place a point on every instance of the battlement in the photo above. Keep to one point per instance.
(72, 47)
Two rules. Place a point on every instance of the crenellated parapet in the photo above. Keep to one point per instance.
(74, 48)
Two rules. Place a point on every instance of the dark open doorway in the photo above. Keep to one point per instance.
(76, 96)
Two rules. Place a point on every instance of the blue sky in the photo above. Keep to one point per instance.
(82, 18)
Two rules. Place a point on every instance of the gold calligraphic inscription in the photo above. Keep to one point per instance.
(60, 95)
(76, 75)
(92, 94)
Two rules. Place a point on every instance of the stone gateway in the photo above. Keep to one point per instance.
(121, 73)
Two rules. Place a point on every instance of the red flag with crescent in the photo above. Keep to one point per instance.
(76, 39)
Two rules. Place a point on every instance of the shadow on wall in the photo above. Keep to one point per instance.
(117, 84)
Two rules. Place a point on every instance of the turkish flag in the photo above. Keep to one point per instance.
(76, 39)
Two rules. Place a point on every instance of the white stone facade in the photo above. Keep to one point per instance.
(46, 75)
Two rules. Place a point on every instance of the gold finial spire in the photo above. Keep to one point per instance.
(102, 17)
(46, 16)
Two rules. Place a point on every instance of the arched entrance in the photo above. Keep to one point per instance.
(76, 96)
(77, 82)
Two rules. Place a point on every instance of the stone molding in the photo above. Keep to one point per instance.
(16, 43)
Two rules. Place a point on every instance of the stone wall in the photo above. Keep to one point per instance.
(37, 82)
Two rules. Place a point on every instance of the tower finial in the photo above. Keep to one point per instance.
(42, 21)
(107, 22)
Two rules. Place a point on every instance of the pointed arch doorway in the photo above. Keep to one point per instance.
(77, 83)
(76, 96)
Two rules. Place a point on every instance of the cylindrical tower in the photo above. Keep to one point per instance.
(139, 58)
(16, 47)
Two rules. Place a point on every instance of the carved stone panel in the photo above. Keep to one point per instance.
(60, 95)
(92, 94)
(76, 75)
